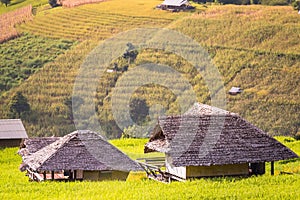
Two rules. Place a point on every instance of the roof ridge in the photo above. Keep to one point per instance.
(61, 142)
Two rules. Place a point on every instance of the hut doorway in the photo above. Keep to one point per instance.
(257, 168)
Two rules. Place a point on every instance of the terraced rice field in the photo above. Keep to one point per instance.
(94, 21)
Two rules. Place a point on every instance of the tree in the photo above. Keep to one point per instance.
(296, 5)
(18, 105)
(139, 110)
(130, 53)
(54, 3)
(6, 2)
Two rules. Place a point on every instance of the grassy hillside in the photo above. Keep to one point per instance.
(254, 47)
(25, 55)
(15, 4)
(15, 185)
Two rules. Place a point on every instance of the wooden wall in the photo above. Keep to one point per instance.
(105, 175)
(217, 170)
(10, 142)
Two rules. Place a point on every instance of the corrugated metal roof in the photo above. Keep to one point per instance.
(174, 2)
(12, 129)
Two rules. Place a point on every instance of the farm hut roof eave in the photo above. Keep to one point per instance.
(175, 2)
(238, 142)
(12, 129)
(80, 150)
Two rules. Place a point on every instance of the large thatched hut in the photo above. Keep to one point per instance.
(208, 141)
(81, 155)
(12, 132)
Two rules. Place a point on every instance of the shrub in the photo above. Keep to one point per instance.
(274, 2)
(297, 136)
(296, 5)
(54, 3)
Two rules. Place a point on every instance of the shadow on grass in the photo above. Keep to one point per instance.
(289, 161)
(16, 2)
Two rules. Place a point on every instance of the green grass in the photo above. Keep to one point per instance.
(15, 185)
(15, 4)
(26, 55)
(260, 28)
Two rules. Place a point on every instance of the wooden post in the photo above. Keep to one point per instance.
(52, 175)
(272, 168)
(71, 175)
(75, 174)
(44, 174)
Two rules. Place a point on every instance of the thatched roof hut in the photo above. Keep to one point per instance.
(12, 132)
(209, 136)
(84, 154)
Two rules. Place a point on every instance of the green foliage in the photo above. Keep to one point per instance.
(6, 2)
(15, 185)
(53, 3)
(297, 136)
(18, 105)
(296, 5)
(15, 4)
(133, 132)
(24, 56)
(275, 2)
(237, 2)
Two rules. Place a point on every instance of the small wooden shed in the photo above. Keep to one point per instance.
(175, 5)
(235, 91)
(208, 141)
(81, 155)
(12, 132)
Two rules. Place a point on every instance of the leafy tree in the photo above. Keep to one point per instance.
(54, 3)
(133, 132)
(139, 110)
(6, 2)
(130, 53)
(18, 105)
(296, 5)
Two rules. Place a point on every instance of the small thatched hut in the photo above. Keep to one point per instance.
(12, 132)
(207, 141)
(81, 155)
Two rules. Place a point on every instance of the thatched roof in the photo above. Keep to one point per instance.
(80, 150)
(12, 129)
(32, 145)
(200, 140)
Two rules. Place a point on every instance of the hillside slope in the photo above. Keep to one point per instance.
(254, 47)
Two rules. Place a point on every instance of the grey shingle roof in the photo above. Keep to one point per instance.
(12, 129)
(238, 141)
(80, 150)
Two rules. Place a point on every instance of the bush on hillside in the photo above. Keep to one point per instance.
(297, 136)
(54, 3)
(248, 2)
(238, 2)
(275, 2)
(296, 5)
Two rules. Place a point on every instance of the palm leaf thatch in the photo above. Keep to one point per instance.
(80, 150)
(206, 136)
